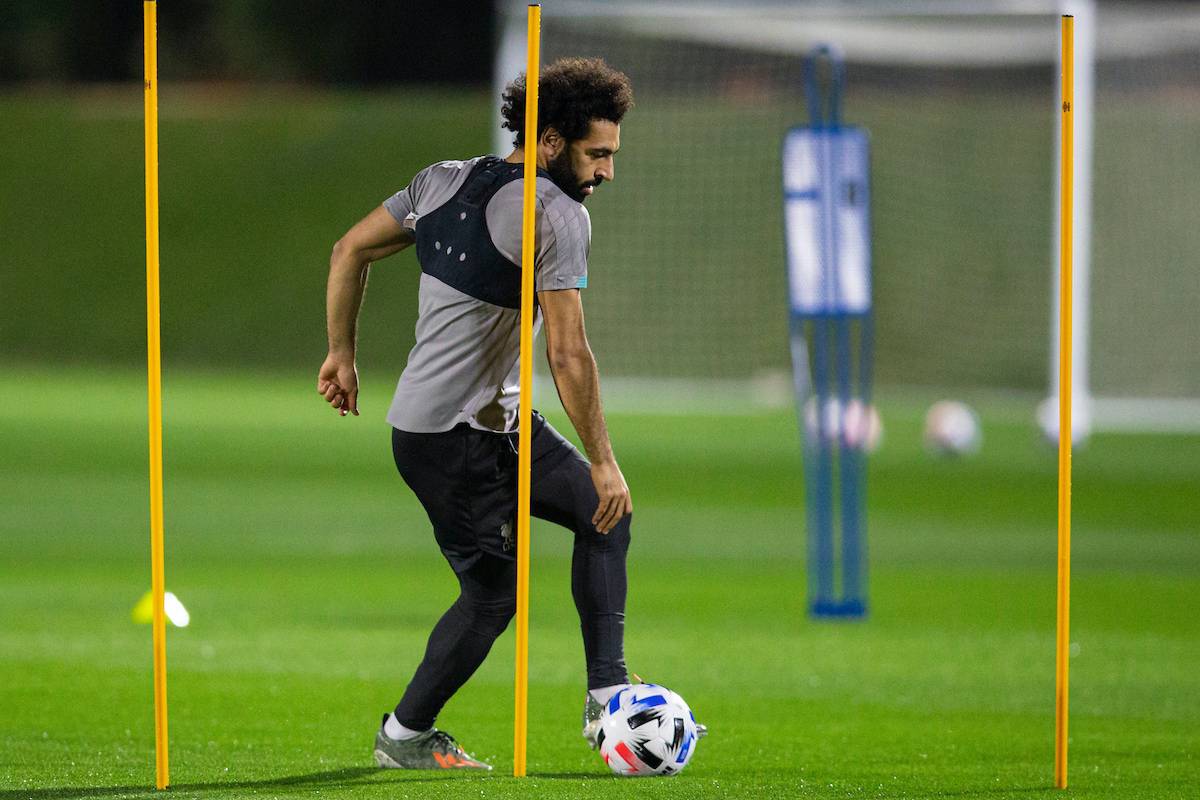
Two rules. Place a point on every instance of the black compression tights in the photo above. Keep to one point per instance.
(487, 601)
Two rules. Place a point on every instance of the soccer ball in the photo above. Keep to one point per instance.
(952, 429)
(647, 729)
(856, 426)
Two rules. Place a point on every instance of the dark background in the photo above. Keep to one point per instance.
(346, 43)
(354, 43)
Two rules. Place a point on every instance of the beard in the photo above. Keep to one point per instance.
(562, 172)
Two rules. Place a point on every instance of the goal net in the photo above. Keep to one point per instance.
(687, 298)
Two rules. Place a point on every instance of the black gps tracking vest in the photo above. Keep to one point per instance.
(453, 243)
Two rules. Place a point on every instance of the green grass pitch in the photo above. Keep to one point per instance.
(313, 580)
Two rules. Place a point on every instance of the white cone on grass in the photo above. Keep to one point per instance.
(177, 614)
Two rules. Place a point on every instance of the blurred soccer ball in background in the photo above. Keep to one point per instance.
(856, 426)
(952, 429)
(647, 729)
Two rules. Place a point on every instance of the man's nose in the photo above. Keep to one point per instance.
(606, 170)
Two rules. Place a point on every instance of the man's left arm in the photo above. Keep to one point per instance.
(578, 382)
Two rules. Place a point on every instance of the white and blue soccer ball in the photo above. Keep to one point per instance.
(855, 425)
(647, 729)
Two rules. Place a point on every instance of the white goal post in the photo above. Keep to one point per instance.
(937, 34)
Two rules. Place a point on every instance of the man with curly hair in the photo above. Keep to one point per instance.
(454, 414)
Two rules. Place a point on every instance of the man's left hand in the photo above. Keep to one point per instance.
(613, 493)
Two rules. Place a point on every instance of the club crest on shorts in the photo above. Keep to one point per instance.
(506, 536)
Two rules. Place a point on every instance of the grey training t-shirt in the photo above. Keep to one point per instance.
(463, 367)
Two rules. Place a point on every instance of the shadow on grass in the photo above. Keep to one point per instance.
(352, 777)
(342, 779)
(332, 779)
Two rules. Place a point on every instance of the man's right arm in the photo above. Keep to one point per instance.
(376, 236)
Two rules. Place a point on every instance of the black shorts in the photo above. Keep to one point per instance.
(467, 481)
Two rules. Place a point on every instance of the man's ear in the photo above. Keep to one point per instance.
(553, 141)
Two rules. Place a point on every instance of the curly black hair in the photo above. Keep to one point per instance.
(571, 93)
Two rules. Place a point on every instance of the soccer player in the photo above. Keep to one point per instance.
(454, 415)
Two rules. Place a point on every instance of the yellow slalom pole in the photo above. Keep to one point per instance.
(154, 372)
(1063, 643)
(521, 716)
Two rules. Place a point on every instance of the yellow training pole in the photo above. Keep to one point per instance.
(521, 720)
(154, 364)
(1063, 645)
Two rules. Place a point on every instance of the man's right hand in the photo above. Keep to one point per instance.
(615, 502)
(375, 236)
(337, 382)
